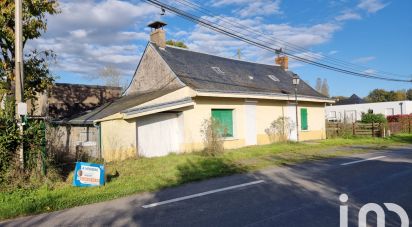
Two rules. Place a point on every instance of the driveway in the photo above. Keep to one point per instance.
(302, 195)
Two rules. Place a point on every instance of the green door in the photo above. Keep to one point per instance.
(304, 119)
(225, 119)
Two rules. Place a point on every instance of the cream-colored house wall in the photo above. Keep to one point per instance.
(118, 139)
(266, 112)
(316, 121)
(195, 117)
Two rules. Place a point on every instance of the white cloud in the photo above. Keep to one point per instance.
(371, 6)
(369, 71)
(254, 8)
(204, 40)
(348, 15)
(364, 60)
(260, 8)
(79, 33)
(333, 52)
(89, 35)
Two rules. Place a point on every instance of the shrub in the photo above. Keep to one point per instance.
(212, 137)
(280, 129)
(373, 118)
(399, 118)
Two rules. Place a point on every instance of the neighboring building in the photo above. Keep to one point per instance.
(353, 113)
(175, 90)
(354, 99)
(64, 101)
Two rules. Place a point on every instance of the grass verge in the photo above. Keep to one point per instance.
(143, 175)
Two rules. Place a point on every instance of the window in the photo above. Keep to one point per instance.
(304, 119)
(274, 78)
(332, 114)
(218, 70)
(225, 119)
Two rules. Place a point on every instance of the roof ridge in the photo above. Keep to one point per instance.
(229, 58)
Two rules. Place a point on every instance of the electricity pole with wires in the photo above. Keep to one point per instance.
(21, 107)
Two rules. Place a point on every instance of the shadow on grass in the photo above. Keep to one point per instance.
(403, 138)
(110, 177)
(208, 167)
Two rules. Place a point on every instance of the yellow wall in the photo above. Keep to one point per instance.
(118, 139)
(119, 136)
(316, 121)
(266, 112)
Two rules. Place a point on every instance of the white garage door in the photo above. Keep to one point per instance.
(159, 134)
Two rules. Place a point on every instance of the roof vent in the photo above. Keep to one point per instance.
(218, 70)
(274, 78)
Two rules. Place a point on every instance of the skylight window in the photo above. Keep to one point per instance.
(274, 78)
(218, 70)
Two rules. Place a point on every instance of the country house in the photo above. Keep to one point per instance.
(175, 90)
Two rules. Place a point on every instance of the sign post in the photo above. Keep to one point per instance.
(88, 174)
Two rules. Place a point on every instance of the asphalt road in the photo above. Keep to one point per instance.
(302, 195)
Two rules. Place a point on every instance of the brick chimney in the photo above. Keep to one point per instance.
(283, 61)
(158, 35)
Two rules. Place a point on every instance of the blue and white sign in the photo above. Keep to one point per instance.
(88, 174)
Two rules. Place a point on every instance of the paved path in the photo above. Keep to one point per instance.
(301, 195)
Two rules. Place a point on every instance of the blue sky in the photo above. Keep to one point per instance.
(376, 34)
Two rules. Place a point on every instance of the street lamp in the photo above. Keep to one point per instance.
(295, 81)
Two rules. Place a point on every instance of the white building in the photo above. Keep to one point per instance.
(353, 112)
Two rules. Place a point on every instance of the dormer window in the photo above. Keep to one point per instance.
(274, 78)
(218, 70)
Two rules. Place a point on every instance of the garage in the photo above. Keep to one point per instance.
(159, 134)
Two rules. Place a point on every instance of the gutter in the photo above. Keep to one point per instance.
(263, 95)
(151, 109)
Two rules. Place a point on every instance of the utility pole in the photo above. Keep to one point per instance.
(21, 108)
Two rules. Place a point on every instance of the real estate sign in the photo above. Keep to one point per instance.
(88, 174)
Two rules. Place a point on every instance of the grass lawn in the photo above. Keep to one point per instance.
(144, 174)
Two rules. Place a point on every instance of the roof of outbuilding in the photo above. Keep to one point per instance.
(354, 99)
(118, 105)
(195, 69)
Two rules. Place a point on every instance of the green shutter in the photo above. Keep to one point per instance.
(304, 119)
(225, 118)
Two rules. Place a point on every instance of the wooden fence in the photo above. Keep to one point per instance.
(399, 127)
(334, 129)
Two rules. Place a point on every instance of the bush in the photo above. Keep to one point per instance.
(399, 118)
(373, 118)
(279, 130)
(212, 137)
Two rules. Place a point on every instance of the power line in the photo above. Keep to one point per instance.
(227, 31)
(291, 47)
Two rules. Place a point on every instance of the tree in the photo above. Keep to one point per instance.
(318, 84)
(339, 97)
(409, 94)
(325, 88)
(37, 74)
(378, 95)
(399, 95)
(111, 76)
(176, 43)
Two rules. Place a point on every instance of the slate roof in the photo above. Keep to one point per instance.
(118, 105)
(354, 99)
(195, 70)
